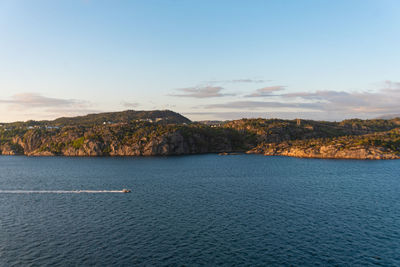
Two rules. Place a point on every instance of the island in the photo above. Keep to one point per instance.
(167, 133)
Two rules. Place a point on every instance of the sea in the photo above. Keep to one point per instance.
(198, 210)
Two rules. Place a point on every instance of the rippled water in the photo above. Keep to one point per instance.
(199, 210)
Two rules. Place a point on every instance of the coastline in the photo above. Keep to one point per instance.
(172, 135)
(289, 153)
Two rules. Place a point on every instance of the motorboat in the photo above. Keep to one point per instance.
(126, 190)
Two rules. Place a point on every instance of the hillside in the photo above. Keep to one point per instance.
(127, 116)
(134, 139)
(277, 130)
(150, 133)
(382, 145)
(162, 116)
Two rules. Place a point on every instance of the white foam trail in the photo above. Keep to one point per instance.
(58, 191)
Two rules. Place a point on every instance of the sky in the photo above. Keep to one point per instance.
(208, 60)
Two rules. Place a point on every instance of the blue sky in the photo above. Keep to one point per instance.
(205, 59)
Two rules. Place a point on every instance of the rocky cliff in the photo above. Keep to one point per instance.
(373, 146)
(327, 152)
(357, 139)
(145, 139)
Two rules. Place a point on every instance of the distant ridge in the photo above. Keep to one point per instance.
(389, 117)
(166, 116)
(159, 116)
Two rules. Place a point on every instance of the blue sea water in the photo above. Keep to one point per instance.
(245, 210)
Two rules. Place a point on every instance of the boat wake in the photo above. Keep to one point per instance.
(62, 191)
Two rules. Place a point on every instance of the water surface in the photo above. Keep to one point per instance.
(199, 210)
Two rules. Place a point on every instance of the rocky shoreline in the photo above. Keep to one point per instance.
(157, 136)
(162, 148)
(168, 144)
(327, 152)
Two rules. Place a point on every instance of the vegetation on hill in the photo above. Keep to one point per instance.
(169, 133)
(379, 145)
(376, 125)
(277, 130)
(127, 116)
(159, 116)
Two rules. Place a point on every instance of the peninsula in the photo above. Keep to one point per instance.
(164, 133)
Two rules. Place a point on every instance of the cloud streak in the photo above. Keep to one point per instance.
(380, 102)
(129, 104)
(202, 92)
(262, 105)
(333, 104)
(33, 100)
(266, 91)
(239, 81)
(46, 106)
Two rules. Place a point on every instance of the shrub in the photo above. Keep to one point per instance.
(78, 143)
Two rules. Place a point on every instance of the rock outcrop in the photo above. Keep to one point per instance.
(109, 141)
(384, 145)
(327, 152)
(308, 139)
(11, 149)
